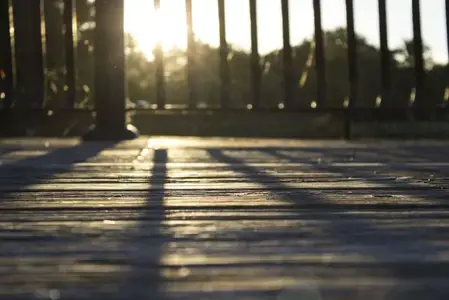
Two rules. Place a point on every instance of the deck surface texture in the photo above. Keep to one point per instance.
(190, 218)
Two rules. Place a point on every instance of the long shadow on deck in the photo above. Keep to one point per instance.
(18, 243)
(18, 175)
(140, 247)
(386, 175)
(359, 235)
(147, 240)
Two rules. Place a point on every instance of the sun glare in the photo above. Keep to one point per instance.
(167, 25)
(149, 27)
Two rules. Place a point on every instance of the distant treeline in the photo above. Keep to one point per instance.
(141, 72)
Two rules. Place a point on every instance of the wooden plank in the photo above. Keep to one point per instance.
(187, 218)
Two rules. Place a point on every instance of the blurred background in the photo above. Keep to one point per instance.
(149, 25)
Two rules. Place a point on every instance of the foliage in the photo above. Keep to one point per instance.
(141, 71)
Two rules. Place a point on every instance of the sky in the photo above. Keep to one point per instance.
(169, 24)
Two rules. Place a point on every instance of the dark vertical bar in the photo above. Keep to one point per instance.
(29, 59)
(385, 58)
(352, 54)
(320, 63)
(109, 69)
(6, 59)
(85, 70)
(352, 65)
(190, 55)
(160, 69)
(54, 55)
(447, 26)
(418, 55)
(287, 54)
(447, 41)
(224, 64)
(70, 39)
(255, 57)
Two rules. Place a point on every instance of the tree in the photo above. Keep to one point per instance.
(141, 71)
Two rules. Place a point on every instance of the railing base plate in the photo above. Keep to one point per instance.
(106, 134)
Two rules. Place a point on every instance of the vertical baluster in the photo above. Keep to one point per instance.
(70, 38)
(109, 69)
(418, 55)
(320, 61)
(447, 41)
(255, 57)
(447, 25)
(287, 54)
(191, 68)
(224, 63)
(29, 58)
(352, 66)
(160, 69)
(6, 57)
(385, 56)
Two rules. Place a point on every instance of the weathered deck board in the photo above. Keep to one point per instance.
(186, 218)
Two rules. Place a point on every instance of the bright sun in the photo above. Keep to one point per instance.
(168, 24)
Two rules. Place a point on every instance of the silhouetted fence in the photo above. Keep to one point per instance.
(22, 60)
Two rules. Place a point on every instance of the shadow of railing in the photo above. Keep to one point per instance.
(147, 240)
(141, 246)
(21, 174)
(354, 233)
(387, 174)
(33, 228)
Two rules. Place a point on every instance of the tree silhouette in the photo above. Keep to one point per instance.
(141, 71)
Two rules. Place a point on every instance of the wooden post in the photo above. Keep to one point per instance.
(225, 75)
(71, 41)
(110, 86)
(6, 70)
(287, 56)
(29, 59)
(353, 74)
(256, 72)
(420, 72)
(320, 59)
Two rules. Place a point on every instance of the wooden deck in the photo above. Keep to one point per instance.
(186, 218)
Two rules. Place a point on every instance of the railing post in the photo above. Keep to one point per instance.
(71, 42)
(320, 60)
(419, 63)
(446, 8)
(110, 88)
(385, 55)
(29, 58)
(225, 75)
(287, 59)
(191, 55)
(256, 72)
(161, 93)
(353, 75)
(6, 71)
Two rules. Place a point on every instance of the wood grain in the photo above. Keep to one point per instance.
(190, 218)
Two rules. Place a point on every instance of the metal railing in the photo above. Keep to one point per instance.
(22, 62)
